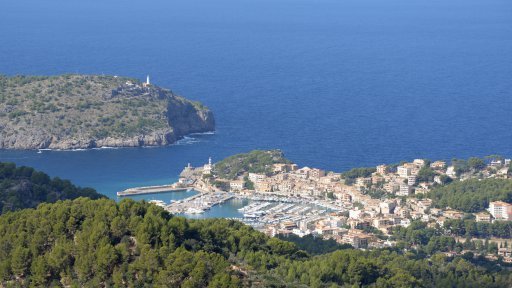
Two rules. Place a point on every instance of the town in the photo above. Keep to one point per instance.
(362, 207)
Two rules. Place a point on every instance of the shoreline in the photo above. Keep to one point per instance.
(177, 142)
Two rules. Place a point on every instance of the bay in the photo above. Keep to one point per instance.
(334, 84)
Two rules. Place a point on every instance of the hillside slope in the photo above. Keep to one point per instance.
(101, 243)
(256, 161)
(23, 187)
(86, 111)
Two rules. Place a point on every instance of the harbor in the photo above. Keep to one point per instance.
(199, 203)
(151, 190)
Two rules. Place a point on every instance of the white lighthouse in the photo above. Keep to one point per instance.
(208, 168)
(146, 84)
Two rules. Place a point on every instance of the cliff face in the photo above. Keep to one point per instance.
(188, 117)
(79, 111)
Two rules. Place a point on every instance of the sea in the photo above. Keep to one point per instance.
(335, 84)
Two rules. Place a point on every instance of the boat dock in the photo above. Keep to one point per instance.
(199, 203)
(150, 190)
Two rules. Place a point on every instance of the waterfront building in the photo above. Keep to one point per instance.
(438, 165)
(303, 172)
(419, 162)
(236, 185)
(208, 168)
(403, 171)
(382, 169)
(263, 186)
(254, 177)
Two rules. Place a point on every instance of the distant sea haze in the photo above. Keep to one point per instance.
(334, 84)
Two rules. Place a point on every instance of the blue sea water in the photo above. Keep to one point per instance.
(335, 84)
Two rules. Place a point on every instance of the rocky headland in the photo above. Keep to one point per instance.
(87, 111)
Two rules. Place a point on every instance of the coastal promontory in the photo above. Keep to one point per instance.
(89, 111)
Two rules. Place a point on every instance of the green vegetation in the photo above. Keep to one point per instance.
(471, 228)
(314, 245)
(101, 243)
(257, 161)
(476, 163)
(359, 172)
(472, 195)
(376, 193)
(248, 183)
(383, 268)
(426, 174)
(473, 164)
(24, 187)
(90, 108)
(354, 173)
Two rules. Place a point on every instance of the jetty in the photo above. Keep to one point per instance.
(199, 203)
(151, 190)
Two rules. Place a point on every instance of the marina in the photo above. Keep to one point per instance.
(199, 203)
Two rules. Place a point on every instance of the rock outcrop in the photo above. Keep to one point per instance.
(81, 111)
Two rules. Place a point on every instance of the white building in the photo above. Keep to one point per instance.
(500, 210)
(254, 177)
(405, 190)
(403, 171)
(419, 162)
(236, 185)
(387, 207)
(450, 172)
(208, 168)
(354, 213)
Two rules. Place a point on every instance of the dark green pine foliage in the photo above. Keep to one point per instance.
(472, 195)
(101, 243)
(24, 187)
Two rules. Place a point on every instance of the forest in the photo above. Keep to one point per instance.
(469, 227)
(101, 243)
(471, 195)
(24, 187)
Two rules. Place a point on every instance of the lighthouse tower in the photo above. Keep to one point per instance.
(208, 168)
(146, 84)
